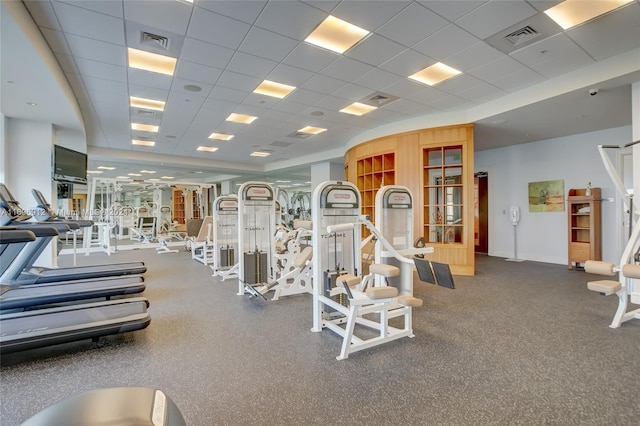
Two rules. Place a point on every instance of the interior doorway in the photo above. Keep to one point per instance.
(481, 212)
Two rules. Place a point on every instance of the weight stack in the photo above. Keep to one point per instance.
(255, 267)
(226, 257)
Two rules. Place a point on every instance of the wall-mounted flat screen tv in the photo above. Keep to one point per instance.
(69, 166)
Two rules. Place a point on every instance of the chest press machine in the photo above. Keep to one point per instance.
(225, 236)
(256, 225)
(627, 287)
(341, 299)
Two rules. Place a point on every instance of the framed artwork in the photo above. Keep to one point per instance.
(546, 196)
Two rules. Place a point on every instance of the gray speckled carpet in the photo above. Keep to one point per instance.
(517, 344)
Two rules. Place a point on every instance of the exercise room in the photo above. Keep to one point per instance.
(308, 212)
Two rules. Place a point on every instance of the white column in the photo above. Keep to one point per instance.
(323, 172)
(227, 188)
(28, 150)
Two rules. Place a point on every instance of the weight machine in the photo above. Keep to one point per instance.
(256, 225)
(627, 287)
(342, 299)
(225, 236)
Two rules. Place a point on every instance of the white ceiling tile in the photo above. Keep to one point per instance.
(227, 94)
(352, 92)
(293, 75)
(178, 87)
(419, 19)
(474, 56)
(203, 53)
(224, 31)
(147, 92)
(517, 80)
(171, 16)
(305, 97)
(56, 41)
(332, 103)
(408, 63)
(100, 51)
(377, 79)
(295, 20)
(254, 66)
(405, 88)
(310, 57)
(597, 39)
(85, 23)
(406, 107)
(149, 79)
(427, 96)
(267, 44)
(452, 10)
(323, 84)
(97, 69)
(245, 11)
(367, 14)
(554, 56)
(481, 92)
(375, 50)
(494, 16)
(67, 63)
(108, 7)
(446, 42)
(197, 72)
(346, 69)
(451, 103)
(99, 85)
(238, 81)
(43, 14)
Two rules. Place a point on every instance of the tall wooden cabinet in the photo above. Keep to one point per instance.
(373, 173)
(585, 226)
(185, 205)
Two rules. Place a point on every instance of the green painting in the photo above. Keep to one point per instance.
(546, 196)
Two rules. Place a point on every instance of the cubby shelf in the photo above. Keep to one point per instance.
(372, 173)
(585, 226)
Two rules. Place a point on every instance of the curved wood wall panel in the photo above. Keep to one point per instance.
(437, 167)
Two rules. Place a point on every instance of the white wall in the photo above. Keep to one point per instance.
(575, 159)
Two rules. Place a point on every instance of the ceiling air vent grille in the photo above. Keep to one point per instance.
(155, 40)
(522, 35)
(299, 135)
(378, 99)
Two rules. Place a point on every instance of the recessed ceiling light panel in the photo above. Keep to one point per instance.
(220, 136)
(146, 103)
(357, 108)
(207, 148)
(144, 127)
(142, 143)
(241, 118)
(570, 13)
(153, 62)
(435, 74)
(276, 90)
(312, 130)
(336, 35)
(260, 154)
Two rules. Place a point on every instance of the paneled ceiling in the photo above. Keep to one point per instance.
(527, 89)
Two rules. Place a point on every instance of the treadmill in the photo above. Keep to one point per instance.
(22, 269)
(62, 324)
(16, 296)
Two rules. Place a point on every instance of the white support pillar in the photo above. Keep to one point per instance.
(323, 172)
(227, 188)
(635, 132)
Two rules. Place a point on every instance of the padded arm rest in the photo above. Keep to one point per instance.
(16, 236)
(598, 267)
(631, 271)
(41, 230)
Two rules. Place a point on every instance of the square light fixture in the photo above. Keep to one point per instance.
(153, 62)
(207, 148)
(312, 130)
(220, 136)
(358, 108)
(105, 168)
(123, 177)
(144, 127)
(94, 172)
(146, 103)
(283, 181)
(241, 118)
(142, 143)
(570, 13)
(166, 177)
(276, 90)
(336, 35)
(435, 74)
(134, 174)
(147, 171)
(260, 154)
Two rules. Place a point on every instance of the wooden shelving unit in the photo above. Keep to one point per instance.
(179, 213)
(372, 173)
(443, 194)
(585, 226)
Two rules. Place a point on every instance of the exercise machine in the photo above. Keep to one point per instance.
(342, 298)
(256, 226)
(202, 245)
(627, 287)
(22, 269)
(225, 236)
(139, 406)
